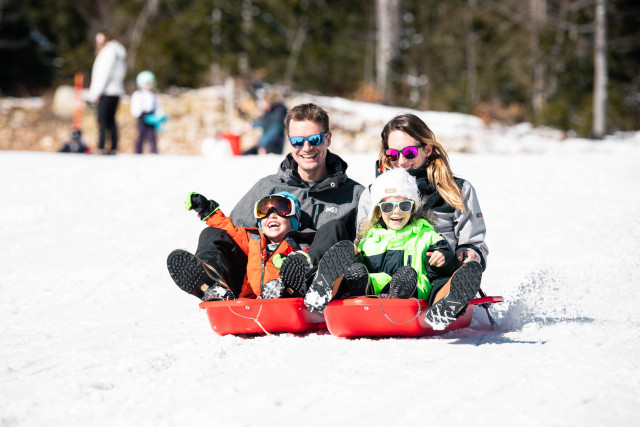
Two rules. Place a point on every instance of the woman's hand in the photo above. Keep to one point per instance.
(466, 255)
(436, 258)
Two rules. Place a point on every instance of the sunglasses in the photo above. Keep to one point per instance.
(388, 207)
(282, 205)
(408, 153)
(314, 140)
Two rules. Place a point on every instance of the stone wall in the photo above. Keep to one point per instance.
(44, 124)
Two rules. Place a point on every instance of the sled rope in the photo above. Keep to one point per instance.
(255, 319)
(486, 307)
(403, 323)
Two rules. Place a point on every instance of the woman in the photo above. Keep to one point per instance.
(407, 142)
(107, 86)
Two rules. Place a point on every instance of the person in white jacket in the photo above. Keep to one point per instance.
(107, 86)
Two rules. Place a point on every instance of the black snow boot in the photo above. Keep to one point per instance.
(452, 299)
(294, 272)
(194, 276)
(218, 293)
(356, 280)
(272, 289)
(331, 269)
(403, 283)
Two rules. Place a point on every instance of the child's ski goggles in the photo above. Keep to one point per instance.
(283, 206)
(408, 153)
(388, 207)
(314, 140)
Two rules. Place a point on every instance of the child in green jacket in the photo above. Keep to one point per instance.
(399, 254)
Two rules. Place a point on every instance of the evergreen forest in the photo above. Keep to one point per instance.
(506, 60)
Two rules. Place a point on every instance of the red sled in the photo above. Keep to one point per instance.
(261, 316)
(361, 317)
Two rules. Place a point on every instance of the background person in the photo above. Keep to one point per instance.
(272, 124)
(147, 109)
(107, 86)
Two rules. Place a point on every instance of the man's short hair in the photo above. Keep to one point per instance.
(307, 112)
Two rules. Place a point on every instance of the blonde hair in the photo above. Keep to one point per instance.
(439, 172)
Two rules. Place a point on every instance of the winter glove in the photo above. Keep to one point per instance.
(197, 202)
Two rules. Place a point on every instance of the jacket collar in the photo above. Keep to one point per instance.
(336, 173)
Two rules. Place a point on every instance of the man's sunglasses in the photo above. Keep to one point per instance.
(314, 140)
(408, 153)
(388, 207)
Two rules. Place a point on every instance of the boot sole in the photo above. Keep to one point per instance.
(464, 286)
(404, 283)
(293, 276)
(331, 270)
(357, 281)
(272, 289)
(189, 273)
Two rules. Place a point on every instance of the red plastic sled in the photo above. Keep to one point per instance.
(261, 316)
(359, 317)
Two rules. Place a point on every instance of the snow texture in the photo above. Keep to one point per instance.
(93, 331)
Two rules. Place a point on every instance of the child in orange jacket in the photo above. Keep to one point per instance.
(277, 235)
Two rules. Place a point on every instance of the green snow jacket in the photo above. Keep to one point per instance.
(384, 251)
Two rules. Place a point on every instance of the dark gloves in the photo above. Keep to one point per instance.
(197, 202)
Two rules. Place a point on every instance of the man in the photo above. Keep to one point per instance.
(315, 176)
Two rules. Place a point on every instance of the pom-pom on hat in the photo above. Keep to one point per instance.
(395, 182)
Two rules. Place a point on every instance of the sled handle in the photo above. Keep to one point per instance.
(255, 319)
(408, 321)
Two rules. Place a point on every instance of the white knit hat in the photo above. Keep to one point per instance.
(395, 182)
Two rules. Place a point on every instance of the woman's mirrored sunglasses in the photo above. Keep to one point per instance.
(408, 153)
(388, 207)
(314, 140)
(283, 206)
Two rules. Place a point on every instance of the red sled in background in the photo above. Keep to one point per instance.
(261, 316)
(366, 316)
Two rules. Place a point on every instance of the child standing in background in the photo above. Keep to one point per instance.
(146, 108)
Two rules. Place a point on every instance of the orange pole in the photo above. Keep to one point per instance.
(77, 108)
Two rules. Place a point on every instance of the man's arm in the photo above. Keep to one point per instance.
(242, 214)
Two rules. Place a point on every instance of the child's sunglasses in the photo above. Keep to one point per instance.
(388, 207)
(314, 140)
(283, 206)
(408, 153)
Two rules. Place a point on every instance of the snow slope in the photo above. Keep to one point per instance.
(94, 332)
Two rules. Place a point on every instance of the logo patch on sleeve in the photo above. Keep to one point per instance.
(479, 215)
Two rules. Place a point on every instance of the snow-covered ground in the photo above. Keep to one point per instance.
(94, 332)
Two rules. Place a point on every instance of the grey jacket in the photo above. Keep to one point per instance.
(462, 230)
(334, 197)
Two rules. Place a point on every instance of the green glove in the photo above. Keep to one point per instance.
(197, 202)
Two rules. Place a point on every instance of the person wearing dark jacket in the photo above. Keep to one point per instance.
(328, 199)
(272, 123)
